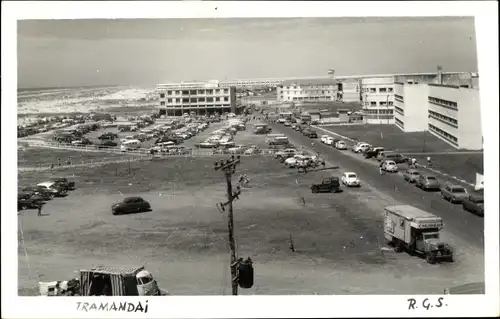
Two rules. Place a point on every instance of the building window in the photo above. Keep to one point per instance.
(390, 90)
(373, 103)
(226, 99)
(443, 118)
(445, 135)
(217, 99)
(382, 103)
(192, 100)
(444, 103)
(382, 90)
(177, 92)
(201, 99)
(169, 92)
(201, 92)
(391, 103)
(185, 92)
(185, 100)
(178, 100)
(162, 103)
(226, 91)
(399, 123)
(210, 99)
(373, 90)
(210, 91)
(169, 100)
(162, 95)
(399, 110)
(192, 92)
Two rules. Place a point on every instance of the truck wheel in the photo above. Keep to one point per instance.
(431, 258)
(398, 247)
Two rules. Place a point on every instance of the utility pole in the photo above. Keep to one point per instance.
(229, 168)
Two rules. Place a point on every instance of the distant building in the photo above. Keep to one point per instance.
(451, 113)
(349, 90)
(307, 90)
(203, 98)
(378, 99)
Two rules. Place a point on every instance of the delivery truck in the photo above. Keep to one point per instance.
(416, 231)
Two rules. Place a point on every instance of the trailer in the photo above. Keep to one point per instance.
(409, 228)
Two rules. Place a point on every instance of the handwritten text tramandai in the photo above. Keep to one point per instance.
(113, 306)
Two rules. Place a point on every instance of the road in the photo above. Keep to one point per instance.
(460, 223)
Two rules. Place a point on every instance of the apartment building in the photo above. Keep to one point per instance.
(203, 98)
(307, 90)
(451, 113)
(378, 99)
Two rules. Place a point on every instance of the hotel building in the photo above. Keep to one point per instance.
(451, 113)
(307, 90)
(203, 98)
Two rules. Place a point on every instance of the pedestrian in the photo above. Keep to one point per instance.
(414, 162)
(429, 163)
(39, 206)
(380, 168)
(312, 144)
(51, 166)
(323, 163)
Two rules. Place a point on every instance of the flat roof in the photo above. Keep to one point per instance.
(409, 212)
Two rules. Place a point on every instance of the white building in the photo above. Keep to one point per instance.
(350, 90)
(307, 90)
(203, 98)
(451, 113)
(378, 99)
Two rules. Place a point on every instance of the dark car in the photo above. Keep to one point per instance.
(396, 157)
(40, 191)
(474, 203)
(330, 185)
(313, 134)
(108, 136)
(373, 152)
(427, 182)
(107, 144)
(454, 193)
(131, 205)
(26, 200)
(64, 183)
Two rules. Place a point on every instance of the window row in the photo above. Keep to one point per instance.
(380, 90)
(318, 86)
(445, 103)
(310, 98)
(199, 99)
(443, 118)
(195, 92)
(399, 122)
(308, 92)
(399, 110)
(398, 97)
(385, 112)
(380, 103)
(447, 136)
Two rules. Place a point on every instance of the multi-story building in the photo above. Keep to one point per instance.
(451, 113)
(378, 99)
(349, 90)
(203, 98)
(307, 90)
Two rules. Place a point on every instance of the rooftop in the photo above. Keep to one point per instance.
(305, 82)
(409, 212)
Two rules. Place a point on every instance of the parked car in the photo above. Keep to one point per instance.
(130, 205)
(389, 166)
(108, 136)
(454, 193)
(474, 203)
(26, 200)
(359, 148)
(373, 152)
(330, 184)
(287, 123)
(396, 157)
(341, 145)
(298, 128)
(411, 175)
(323, 138)
(330, 141)
(427, 182)
(82, 141)
(54, 188)
(312, 134)
(295, 161)
(64, 183)
(40, 191)
(350, 179)
(286, 153)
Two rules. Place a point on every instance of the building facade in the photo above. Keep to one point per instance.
(307, 90)
(203, 98)
(350, 90)
(451, 113)
(410, 107)
(378, 99)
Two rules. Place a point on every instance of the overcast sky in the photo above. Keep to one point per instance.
(55, 53)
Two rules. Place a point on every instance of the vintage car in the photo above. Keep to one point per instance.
(474, 203)
(454, 193)
(389, 166)
(131, 205)
(427, 182)
(350, 179)
(411, 175)
(330, 185)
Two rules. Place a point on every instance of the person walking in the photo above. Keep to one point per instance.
(380, 168)
(39, 207)
(429, 163)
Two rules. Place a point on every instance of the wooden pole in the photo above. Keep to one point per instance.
(230, 225)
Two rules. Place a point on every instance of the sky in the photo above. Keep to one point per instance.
(59, 53)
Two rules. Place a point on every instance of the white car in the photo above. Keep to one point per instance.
(341, 145)
(360, 147)
(390, 166)
(350, 179)
(294, 161)
(323, 138)
(329, 140)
